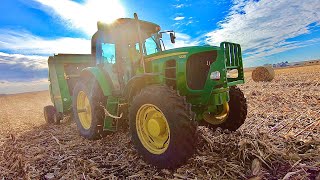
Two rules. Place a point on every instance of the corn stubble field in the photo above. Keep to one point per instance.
(279, 140)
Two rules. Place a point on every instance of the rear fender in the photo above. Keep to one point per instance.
(101, 78)
(138, 82)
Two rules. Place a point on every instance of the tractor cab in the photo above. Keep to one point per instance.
(117, 48)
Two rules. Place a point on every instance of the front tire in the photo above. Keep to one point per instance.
(162, 126)
(237, 113)
(88, 110)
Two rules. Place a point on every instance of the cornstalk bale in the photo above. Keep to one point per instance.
(263, 73)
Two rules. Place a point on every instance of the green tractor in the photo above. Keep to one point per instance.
(163, 95)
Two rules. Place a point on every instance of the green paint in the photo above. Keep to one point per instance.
(98, 74)
(59, 89)
(110, 124)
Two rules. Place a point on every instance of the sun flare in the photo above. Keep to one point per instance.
(105, 11)
(85, 15)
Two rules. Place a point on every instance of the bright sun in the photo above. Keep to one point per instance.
(92, 11)
(105, 10)
(85, 15)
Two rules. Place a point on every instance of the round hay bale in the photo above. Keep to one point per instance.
(264, 73)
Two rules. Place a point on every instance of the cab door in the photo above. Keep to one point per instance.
(111, 64)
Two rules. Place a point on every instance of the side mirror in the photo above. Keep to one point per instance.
(172, 38)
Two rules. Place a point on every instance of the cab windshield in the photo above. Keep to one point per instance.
(109, 50)
(151, 46)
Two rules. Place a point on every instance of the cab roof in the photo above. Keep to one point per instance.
(125, 29)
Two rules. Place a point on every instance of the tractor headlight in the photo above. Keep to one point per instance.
(215, 75)
(233, 73)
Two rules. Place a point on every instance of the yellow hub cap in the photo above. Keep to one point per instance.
(153, 129)
(217, 118)
(84, 110)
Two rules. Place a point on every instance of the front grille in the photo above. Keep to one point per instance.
(232, 53)
(198, 66)
(233, 60)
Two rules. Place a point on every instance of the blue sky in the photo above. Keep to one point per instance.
(269, 31)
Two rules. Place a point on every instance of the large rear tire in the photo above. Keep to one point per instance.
(162, 126)
(237, 113)
(88, 110)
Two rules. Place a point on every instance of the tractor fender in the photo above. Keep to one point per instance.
(138, 82)
(102, 79)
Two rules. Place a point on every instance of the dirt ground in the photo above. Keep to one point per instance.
(279, 140)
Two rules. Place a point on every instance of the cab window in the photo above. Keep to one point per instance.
(151, 46)
(108, 53)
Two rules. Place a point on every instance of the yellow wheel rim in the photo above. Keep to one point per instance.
(217, 118)
(153, 129)
(84, 110)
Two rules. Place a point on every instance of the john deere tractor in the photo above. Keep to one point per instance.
(163, 95)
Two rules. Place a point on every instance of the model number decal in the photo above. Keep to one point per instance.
(182, 56)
